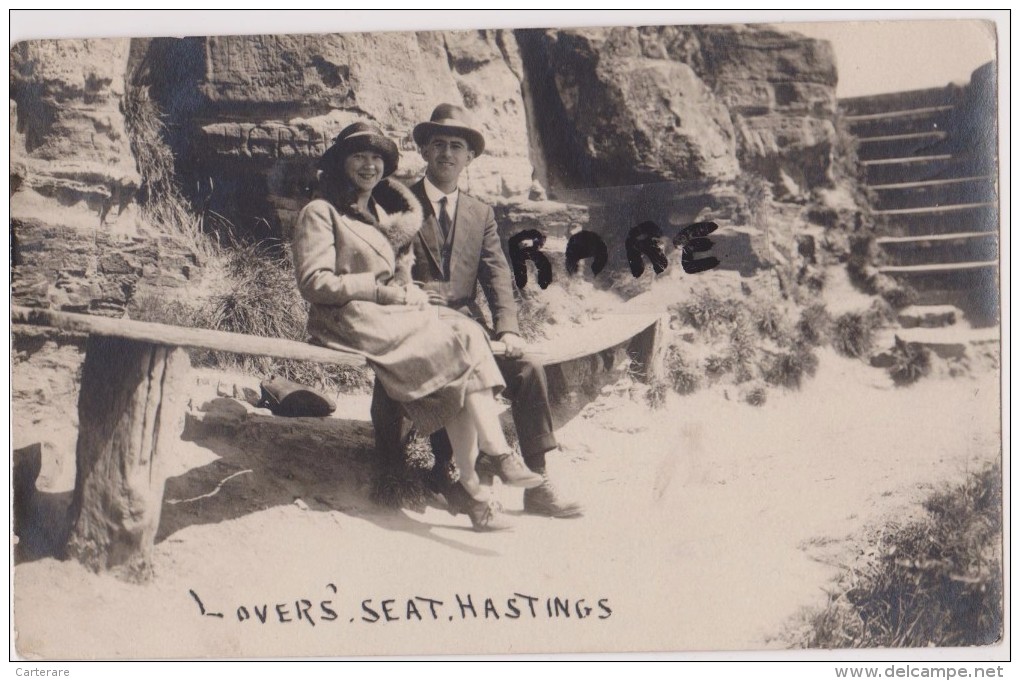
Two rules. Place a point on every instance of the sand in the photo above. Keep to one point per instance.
(710, 525)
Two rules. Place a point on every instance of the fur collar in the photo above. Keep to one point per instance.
(400, 212)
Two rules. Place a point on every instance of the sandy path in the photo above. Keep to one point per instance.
(709, 525)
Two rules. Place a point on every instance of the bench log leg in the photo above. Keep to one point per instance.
(649, 348)
(130, 415)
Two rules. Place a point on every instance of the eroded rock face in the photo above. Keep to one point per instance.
(613, 116)
(683, 104)
(71, 160)
(656, 123)
(66, 268)
(256, 112)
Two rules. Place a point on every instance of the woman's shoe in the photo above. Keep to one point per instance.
(487, 516)
(509, 468)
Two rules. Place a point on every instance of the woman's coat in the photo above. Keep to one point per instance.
(343, 267)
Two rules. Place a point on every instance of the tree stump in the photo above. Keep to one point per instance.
(130, 415)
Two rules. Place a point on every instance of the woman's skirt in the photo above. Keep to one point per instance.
(431, 412)
(427, 359)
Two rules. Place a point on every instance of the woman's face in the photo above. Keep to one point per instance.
(364, 169)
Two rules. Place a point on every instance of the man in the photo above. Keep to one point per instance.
(458, 249)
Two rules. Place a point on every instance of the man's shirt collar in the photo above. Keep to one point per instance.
(435, 193)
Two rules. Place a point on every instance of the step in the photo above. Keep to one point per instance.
(940, 248)
(948, 342)
(938, 268)
(925, 238)
(971, 286)
(953, 219)
(934, 210)
(928, 193)
(928, 316)
(898, 146)
(898, 122)
(899, 101)
(919, 168)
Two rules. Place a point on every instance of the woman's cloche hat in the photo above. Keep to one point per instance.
(450, 119)
(358, 137)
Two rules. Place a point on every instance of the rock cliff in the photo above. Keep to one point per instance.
(668, 124)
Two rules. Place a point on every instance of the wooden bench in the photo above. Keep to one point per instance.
(131, 411)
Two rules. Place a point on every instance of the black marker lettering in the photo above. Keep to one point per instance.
(694, 239)
(586, 244)
(525, 246)
(644, 240)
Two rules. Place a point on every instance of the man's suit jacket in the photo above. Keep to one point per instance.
(476, 258)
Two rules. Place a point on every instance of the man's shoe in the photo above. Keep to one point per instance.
(543, 500)
(487, 516)
(509, 468)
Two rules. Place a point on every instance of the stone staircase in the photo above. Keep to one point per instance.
(929, 159)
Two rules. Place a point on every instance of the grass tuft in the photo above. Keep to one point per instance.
(814, 325)
(258, 296)
(853, 334)
(934, 582)
(911, 362)
(683, 378)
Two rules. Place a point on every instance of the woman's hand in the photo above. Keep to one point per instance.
(415, 296)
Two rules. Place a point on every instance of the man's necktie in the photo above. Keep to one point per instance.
(444, 220)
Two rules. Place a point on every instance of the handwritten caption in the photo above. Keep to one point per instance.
(313, 612)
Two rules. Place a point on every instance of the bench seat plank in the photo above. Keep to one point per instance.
(176, 336)
(597, 335)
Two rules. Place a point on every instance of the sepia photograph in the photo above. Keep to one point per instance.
(541, 339)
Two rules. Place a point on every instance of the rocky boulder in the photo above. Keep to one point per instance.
(683, 104)
(254, 113)
(71, 159)
(612, 116)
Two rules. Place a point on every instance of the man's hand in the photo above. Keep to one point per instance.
(436, 298)
(515, 345)
(434, 290)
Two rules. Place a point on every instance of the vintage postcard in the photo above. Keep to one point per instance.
(507, 341)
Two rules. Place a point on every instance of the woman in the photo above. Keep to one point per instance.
(352, 257)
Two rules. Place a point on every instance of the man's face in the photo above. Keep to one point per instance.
(446, 156)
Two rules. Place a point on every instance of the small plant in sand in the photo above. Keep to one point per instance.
(789, 367)
(814, 324)
(403, 483)
(683, 378)
(533, 315)
(656, 394)
(911, 361)
(744, 341)
(853, 334)
(755, 394)
(933, 582)
(708, 312)
(771, 322)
